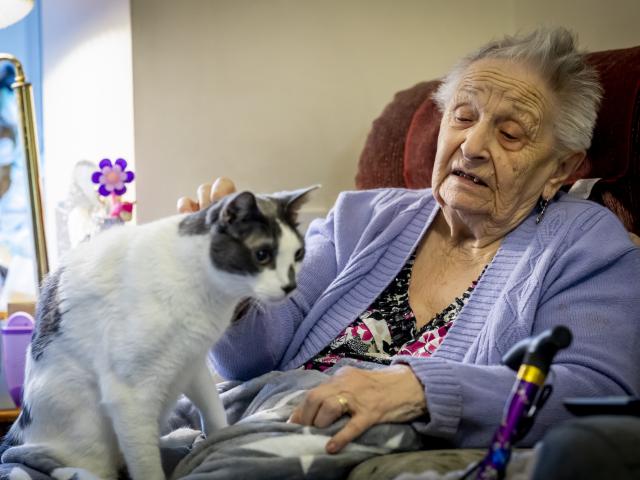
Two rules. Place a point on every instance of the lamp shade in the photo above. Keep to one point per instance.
(12, 11)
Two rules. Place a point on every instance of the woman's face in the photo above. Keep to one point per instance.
(495, 152)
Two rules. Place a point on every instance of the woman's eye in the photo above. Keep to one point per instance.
(263, 255)
(508, 136)
(299, 255)
(463, 114)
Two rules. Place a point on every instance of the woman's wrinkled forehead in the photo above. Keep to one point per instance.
(508, 86)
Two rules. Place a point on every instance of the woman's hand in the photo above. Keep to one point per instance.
(393, 394)
(207, 194)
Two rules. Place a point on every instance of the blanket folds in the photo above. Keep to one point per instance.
(259, 443)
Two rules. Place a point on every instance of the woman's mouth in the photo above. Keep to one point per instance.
(474, 179)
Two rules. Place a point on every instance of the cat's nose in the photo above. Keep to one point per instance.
(289, 288)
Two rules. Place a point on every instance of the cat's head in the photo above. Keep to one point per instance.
(254, 240)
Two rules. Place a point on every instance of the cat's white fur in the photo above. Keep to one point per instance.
(140, 307)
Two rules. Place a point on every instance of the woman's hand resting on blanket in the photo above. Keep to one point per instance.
(390, 395)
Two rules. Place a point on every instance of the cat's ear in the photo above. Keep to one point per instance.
(240, 206)
(294, 200)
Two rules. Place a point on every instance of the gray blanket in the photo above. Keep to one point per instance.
(259, 443)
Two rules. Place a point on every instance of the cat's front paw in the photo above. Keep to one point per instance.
(182, 437)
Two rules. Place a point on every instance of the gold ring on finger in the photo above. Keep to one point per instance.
(344, 403)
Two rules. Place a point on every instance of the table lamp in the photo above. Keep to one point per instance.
(11, 11)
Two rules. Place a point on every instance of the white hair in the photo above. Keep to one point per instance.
(553, 54)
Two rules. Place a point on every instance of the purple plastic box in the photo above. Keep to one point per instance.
(16, 336)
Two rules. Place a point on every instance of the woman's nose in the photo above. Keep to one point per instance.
(476, 142)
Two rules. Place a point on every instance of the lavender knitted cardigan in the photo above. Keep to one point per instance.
(577, 268)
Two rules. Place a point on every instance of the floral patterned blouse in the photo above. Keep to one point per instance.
(388, 327)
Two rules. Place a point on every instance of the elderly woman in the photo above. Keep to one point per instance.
(440, 283)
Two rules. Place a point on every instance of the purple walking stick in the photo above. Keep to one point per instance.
(532, 359)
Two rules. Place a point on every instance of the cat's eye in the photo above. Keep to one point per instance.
(263, 255)
(299, 255)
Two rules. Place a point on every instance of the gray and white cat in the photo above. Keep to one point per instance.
(124, 326)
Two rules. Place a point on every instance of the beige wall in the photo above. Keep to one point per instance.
(281, 93)
(600, 24)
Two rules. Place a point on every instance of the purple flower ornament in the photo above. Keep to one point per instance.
(112, 177)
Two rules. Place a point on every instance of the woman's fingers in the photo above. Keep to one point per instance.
(207, 193)
(330, 411)
(187, 205)
(296, 415)
(320, 408)
(222, 187)
(393, 394)
(204, 195)
(310, 406)
(352, 430)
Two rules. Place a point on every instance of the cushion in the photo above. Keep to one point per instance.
(381, 161)
(422, 141)
(388, 467)
(615, 150)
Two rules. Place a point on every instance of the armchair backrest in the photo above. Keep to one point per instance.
(401, 146)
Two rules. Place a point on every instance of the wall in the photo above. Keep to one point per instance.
(276, 94)
(599, 25)
(87, 91)
(280, 94)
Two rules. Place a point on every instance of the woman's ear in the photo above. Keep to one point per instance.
(565, 166)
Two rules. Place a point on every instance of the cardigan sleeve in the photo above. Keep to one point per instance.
(254, 343)
(596, 295)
